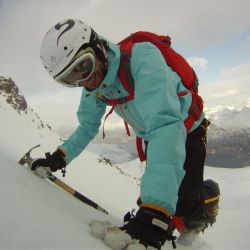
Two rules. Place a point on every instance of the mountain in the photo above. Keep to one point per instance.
(229, 137)
(12, 101)
(228, 140)
(237, 117)
(36, 214)
(12, 95)
(228, 147)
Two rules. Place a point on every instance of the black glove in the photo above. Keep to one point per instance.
(54, 162)
(150, 227)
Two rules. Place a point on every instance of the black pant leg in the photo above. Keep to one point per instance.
(192, 183)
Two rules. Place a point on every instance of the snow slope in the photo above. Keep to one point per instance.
(35, 214)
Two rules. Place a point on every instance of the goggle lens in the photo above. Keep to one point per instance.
(85, 66)
(80, 70)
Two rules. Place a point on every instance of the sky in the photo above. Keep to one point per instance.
(213, 35)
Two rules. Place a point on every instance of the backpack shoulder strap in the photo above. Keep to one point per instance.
(125, 76)
(124, 71)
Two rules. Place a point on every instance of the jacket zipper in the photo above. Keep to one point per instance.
(125, 117)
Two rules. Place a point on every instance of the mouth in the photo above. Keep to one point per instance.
(91, 83)
(94, 81)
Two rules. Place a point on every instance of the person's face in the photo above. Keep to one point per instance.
(87, 71)
(96, 78)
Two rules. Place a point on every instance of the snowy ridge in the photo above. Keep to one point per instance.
(34, 214)
(230, 117)
(12, 100)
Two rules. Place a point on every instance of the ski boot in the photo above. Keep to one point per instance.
(148, 229)
(199, 222)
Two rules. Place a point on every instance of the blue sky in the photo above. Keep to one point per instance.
(213, 35)
(227, 55)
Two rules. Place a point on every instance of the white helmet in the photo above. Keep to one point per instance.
(63, 41)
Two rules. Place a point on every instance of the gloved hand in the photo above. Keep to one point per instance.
(42, 167)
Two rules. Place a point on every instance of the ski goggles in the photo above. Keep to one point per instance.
(80, 69)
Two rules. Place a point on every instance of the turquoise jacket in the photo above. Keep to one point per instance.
(156, 114)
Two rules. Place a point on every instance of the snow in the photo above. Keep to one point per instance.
(35, 214)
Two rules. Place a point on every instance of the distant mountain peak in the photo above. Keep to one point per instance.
(12, 94)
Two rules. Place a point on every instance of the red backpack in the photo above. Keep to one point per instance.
(173, 60)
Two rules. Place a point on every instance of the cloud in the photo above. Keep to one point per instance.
(231, 88)
(58, 109)
(198, 63)
(194, 26)
(239, 71)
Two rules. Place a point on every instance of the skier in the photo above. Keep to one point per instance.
(75, 56)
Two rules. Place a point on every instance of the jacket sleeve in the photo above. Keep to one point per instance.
(89, 115)
(158, 106)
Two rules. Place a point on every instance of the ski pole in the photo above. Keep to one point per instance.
(26, 159)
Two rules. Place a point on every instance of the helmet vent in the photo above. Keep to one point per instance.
(70, 52)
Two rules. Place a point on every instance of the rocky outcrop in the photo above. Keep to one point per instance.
(12, 94)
